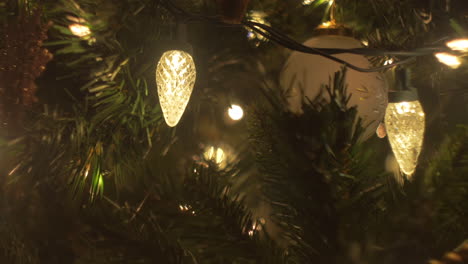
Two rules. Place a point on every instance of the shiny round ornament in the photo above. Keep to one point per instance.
(304, 74)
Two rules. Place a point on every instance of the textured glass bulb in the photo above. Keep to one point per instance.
(175, 77)
(405, 126)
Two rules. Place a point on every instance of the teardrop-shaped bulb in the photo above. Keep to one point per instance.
(405, 124)
(175, 78)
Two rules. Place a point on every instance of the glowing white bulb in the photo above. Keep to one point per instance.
(405, 125)
(458, 44)
(79, 30)
(448, 59)
(307, 2)
(215, 154)
(235, 112)
(175, 77)
(365, 43)
(388, 62)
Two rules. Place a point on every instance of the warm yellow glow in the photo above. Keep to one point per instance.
(448, 59)
(79, 30)
(388, 62)
(216, 155)
(328, 24)
(235, 112)
(259, 17)
(175, 77)
(365, 43)
(307, 2)
(405, 125)
(458, 44)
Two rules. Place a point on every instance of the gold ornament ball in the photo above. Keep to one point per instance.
(304, 74)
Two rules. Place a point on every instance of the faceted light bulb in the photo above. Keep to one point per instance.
(175, 77)
(405, 124)
(235, 112)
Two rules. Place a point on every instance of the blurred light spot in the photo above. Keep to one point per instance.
(458, 44)
(448, 59)
(235, 112)
(216, 155)
(79, 30)
(388, 62)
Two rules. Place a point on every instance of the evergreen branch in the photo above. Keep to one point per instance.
(313, 177)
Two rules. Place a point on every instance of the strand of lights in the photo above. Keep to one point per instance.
(283, 40)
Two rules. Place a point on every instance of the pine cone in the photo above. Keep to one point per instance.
(459, 256)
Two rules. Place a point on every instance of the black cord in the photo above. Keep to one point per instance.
(359, 51)
(285, 41)
(309, 50)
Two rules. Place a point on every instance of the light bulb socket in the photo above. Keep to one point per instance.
(176, 45)
(179, 40)
(403, 96)
(403, 91)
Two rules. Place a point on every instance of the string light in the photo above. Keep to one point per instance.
(260, 29)
(448, 59)
(388, 62)
(235, 112)
(184, 207)
(216, 155)
(405, 124)
(79, 30)
(175, 77)
(458, 44)
(307, 2)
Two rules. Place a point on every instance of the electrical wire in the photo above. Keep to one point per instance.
(287, 42)
(305, 49)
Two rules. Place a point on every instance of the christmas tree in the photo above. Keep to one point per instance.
(176, 131)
